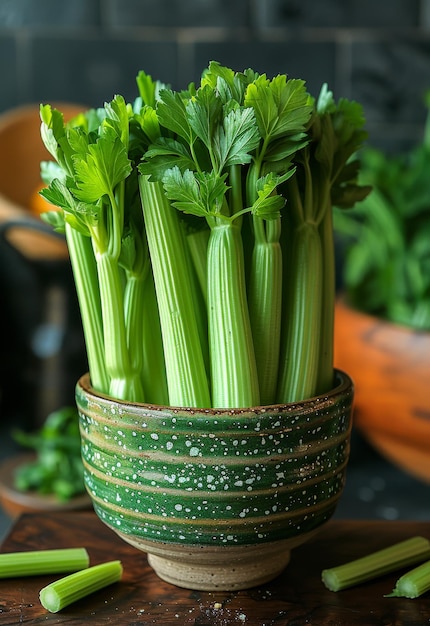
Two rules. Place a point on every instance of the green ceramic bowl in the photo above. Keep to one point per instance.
(215, 484)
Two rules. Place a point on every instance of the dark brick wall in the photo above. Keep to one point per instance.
(376, 51)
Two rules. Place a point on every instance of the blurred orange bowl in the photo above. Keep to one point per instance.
(390, 367)
(21, 152)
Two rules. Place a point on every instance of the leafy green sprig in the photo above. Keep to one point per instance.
(326, 175)
(92, 193)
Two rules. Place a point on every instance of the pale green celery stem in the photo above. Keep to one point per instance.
(38, 562)
(134, 316)
(125, 383)
(397, 556)
(413, 584)
(233, 365)
(153, 367)
(87, 288)
(65, 591)
(185, 367)
(265, 307)
(236, 200)
(310, 192)
(265, 294)
(199, 305)
(325, 364)
(198, 245)
(302, 317)
(116, 217)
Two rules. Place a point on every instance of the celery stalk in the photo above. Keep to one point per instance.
(133, 313)
(233, 366)
(125, 382)
(383, 561)
(87, 289)
(153, 364)
(135, 261)
(231, 345)
(198, 245)
(185, 369)
(61, 593)
(38, 562)
(302, 319)
(325, 361)
(282, 108)
(324, 174)
(265, 294)
(412, 584)
(265, 306)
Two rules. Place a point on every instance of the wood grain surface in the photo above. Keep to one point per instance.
(296, 598)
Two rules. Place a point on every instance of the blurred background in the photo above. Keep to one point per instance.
(85, 51)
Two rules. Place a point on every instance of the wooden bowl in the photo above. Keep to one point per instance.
(21, 152)
(15, 502)
(390, 367)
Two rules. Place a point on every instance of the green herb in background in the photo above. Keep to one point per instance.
(57, 468)
(385, 238)
(214, 204)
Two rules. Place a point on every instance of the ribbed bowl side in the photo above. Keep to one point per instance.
(214, 476)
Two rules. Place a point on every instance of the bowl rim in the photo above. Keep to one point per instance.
(344, 386)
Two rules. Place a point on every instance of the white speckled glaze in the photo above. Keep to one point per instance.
(200, 488)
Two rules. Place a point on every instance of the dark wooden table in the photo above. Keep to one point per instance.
(296, 598)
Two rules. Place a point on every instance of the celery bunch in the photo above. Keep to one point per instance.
(200, 235)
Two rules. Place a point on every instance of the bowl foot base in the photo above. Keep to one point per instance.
(228, 576)
(218, 567)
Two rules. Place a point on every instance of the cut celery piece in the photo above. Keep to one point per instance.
(389, 559)
(74, 587)
(37, 562)
(412, 584)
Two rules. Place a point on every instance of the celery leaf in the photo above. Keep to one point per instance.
(268, 204)
(162, 155)
(204, 113)
(147, 88)
(281, 106)
(105, 165)
(172, 114)
(147, 122)
(237, 138)
(117, 118)
(52, 128)
(54, 219)
(193, 193)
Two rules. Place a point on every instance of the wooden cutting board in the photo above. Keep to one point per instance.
(295, 598)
